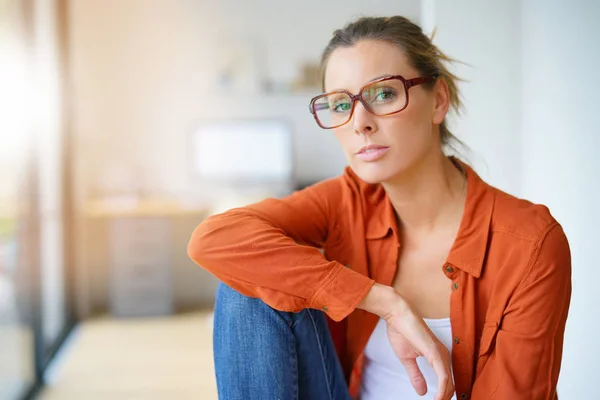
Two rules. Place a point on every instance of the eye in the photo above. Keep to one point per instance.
(341, 107)
(384, 94)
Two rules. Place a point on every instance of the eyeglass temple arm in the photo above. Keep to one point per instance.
(420, 80)
(320, 106)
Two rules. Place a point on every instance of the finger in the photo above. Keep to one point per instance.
(415, 375)
(445, 386)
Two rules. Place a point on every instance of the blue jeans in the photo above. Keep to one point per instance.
(263, 354)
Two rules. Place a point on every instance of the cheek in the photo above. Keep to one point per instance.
(416, 115)
(344, 138)
(413, 125)
(407, 128)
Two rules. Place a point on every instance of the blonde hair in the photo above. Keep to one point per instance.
(424, 56)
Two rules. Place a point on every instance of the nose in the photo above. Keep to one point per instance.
(364, 122)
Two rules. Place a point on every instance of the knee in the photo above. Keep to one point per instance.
(235, 307)
(232, 303)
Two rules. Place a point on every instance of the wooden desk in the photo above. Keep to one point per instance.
(134, 261)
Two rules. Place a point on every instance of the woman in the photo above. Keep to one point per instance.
(407, 274)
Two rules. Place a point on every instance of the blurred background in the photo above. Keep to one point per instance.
(108, 107)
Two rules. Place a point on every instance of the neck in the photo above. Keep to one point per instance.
(429, 196)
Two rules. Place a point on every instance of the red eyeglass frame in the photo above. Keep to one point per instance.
(408, 83)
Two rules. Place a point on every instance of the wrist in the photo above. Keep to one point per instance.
(383, 301)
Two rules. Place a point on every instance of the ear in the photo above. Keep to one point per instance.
(441, 101)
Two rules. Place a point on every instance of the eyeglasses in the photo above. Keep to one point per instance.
(381, 97)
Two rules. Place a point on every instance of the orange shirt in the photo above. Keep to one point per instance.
(323, 247)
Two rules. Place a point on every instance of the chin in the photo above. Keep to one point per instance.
(373, 173)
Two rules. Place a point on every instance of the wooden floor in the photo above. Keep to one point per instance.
(162, 358)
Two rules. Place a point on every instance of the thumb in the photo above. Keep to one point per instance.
(415, 375)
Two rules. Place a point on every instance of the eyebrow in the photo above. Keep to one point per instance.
(367, 82)
(381, 76)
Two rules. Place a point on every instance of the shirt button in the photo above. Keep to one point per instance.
(449, 269)
(456, 340)
(455, 286)
(464, 396)
(324, 309)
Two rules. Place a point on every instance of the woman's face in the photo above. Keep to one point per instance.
(403, 140)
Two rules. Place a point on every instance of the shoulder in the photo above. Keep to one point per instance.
(526, 248)
(520, 217)
(521, 220)
(535, 249)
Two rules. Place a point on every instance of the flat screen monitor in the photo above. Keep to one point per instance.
(243, 151)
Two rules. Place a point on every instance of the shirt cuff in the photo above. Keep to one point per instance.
(341, 292)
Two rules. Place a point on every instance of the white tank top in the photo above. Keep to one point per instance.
(384, 377)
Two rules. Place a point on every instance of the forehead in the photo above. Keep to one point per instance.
(351, 67)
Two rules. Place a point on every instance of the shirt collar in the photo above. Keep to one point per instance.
(383, 221)
(471, 243)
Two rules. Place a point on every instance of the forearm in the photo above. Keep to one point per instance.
(258, 260)
(239, 246)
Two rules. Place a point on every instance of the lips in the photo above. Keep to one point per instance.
(372, 152)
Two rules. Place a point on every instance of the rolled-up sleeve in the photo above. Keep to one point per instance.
(270, 250)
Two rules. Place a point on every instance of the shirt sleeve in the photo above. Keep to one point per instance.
(525, 361)
(270, 250)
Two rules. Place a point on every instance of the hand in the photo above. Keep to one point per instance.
(410, 338)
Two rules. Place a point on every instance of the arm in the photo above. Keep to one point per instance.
(269, 250)
(525, 362)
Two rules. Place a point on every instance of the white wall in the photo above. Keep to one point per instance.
(561, 160)
(145, 70)
(486, 36)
